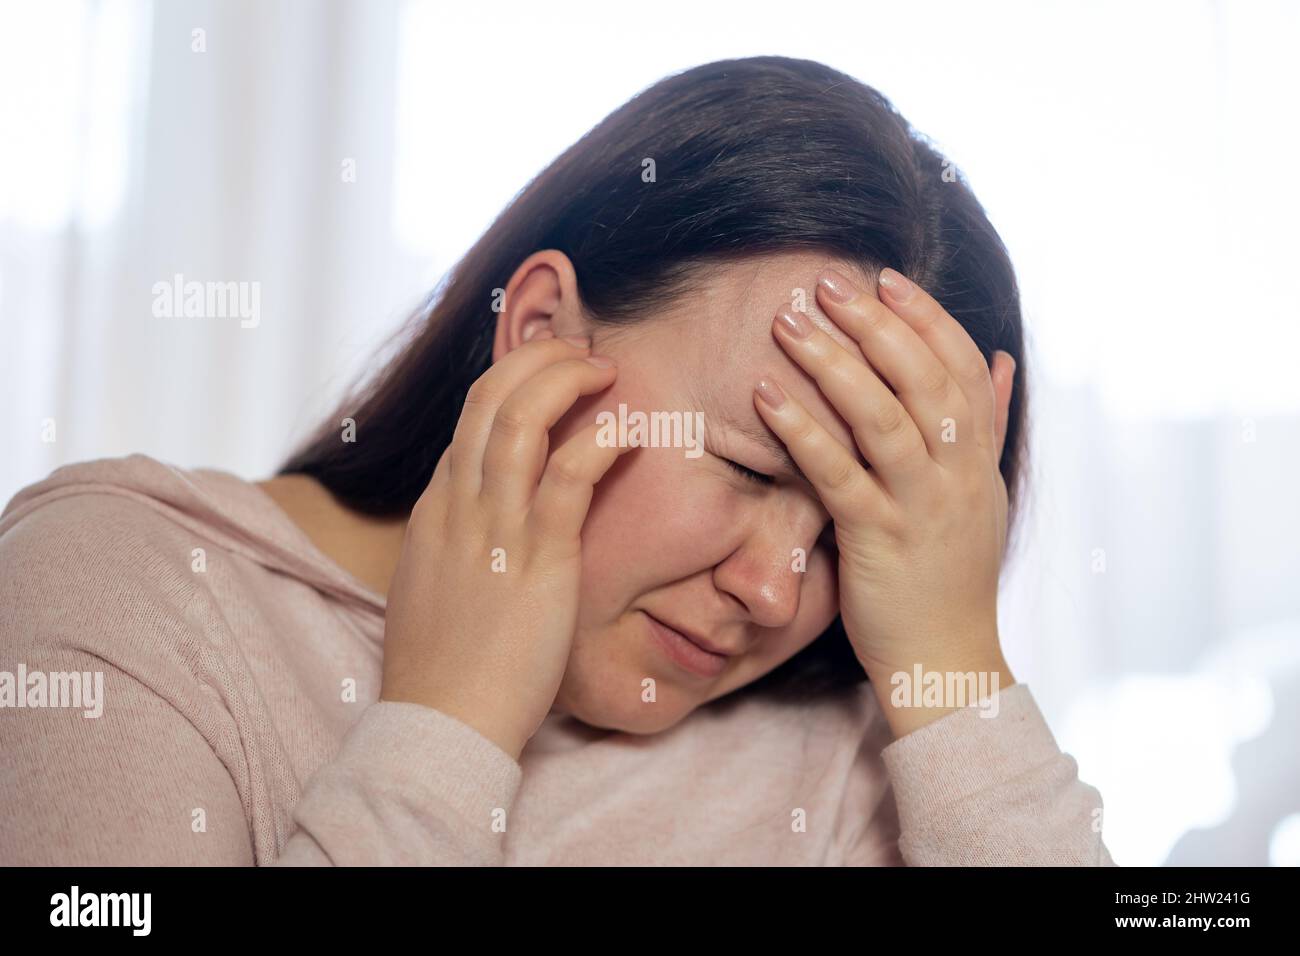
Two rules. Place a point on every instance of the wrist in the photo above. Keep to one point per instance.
(930, 689)
(488, 722)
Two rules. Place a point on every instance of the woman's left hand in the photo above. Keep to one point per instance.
(920, 528)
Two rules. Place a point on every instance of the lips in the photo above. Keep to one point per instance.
(697, 640)
(686, 651)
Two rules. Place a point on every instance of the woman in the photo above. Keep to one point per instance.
(470, 622)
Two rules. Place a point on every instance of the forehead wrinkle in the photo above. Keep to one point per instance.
(759, 434)
(756, 431)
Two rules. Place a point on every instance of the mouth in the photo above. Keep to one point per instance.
(685, 651)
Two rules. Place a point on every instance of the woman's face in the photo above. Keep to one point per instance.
(675, 533)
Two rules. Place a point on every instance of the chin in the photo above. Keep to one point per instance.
(592, 699)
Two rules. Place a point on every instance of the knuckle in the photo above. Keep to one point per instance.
(842, 367)
(803, 430)
(926, 324)
(888, 417)
(901, 452)
(934, 380)
(481, 394)
(977, 371)
(874, 317)
(428, 519)
(511, 421)
(459, 458)
(566, 469)
(423, 511)
(841, 475)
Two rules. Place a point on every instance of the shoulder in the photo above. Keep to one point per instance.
(128, 514)
(87, 529)
(82, 562)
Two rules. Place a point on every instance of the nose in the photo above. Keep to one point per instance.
(767, 571)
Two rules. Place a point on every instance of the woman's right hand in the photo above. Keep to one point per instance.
(481, 634)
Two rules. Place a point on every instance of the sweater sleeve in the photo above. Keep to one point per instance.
(973, 790)
(411, 785)
(92, 585)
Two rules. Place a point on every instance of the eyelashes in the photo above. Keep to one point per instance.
(757, 477)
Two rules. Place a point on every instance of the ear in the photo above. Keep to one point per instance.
(1004, 373)
(541, 299)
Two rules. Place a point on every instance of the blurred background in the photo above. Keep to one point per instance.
(1138, 158)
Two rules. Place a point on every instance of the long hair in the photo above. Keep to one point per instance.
(750, 156)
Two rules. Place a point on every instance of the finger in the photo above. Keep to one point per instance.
(920, 380)
(442, 472)
(520, 436)
(1004, 377)
(947, 339)
(486, 395)
(882, 427)
(850, 493)
(568, 483)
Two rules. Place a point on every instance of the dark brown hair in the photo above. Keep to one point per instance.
(751, 156)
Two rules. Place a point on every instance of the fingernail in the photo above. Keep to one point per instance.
(581, 341)
(770, 392)
(600, 361)
(796, 323)
(898, 286)
(840, 289)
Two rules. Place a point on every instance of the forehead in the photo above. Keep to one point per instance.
(720, 343)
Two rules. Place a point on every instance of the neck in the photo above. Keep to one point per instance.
(366, 547)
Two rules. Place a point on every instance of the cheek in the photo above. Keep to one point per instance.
(654, 519)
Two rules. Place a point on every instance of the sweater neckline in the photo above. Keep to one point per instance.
(296, 540)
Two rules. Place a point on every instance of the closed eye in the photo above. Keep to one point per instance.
(749, 473)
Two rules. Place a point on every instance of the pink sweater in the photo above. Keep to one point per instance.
(239, 723)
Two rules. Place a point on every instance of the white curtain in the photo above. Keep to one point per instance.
(258, 151)
(338, 158)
